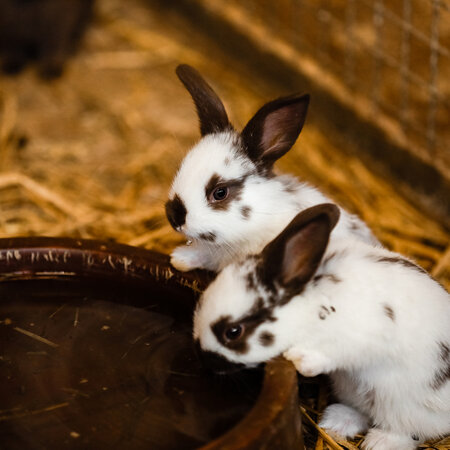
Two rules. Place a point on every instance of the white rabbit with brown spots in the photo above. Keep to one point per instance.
(226, 197)
(374, 321)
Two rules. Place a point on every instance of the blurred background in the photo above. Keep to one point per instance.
(93, 121)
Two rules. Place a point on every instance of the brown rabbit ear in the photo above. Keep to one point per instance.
(210, 109)
(293, 257)
(274, 129)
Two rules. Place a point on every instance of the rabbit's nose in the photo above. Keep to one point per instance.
(176, 212)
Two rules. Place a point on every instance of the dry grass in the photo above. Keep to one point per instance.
(318, 439)
(92, 154)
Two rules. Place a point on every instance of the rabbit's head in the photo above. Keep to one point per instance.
(245, 315)
(221, 181)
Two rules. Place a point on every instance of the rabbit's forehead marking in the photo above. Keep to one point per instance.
(214, 154)
(256, 284)
(226, 296)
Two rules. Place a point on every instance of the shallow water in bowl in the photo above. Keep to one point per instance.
(101, 366)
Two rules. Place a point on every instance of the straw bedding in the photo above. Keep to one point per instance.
(92, 154)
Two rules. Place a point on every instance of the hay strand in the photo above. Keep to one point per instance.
(36, 337)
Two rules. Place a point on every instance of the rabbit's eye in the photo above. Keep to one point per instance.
(234, 332)
(220, 193)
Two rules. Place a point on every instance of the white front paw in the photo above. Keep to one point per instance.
(379, 439)
(185, 258)
(308, 363)
(343, 420)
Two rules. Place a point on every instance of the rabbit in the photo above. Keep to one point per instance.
(371, 319)
(43, 30)
(226, 198)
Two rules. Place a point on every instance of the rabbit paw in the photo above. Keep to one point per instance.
(378, 439)
(308, 363)
(343, 420)
(186, 258)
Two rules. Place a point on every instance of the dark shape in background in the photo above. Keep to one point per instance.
(43, 31)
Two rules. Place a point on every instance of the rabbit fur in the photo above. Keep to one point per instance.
(258, 203)
(374, 321)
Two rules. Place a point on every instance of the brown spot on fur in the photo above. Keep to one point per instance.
(289, 189)
(273, 300)
(234, 187)
(290, 186)
(259, 304)
(245, 212)
(329, 257)
(210, 236)
(404, 262)
(323, 312)
(389, 312)
(227, 161)
(266, 338)
(327, 276)
(333, 278)
(333, 309)
(251, 282)
(445, 351)
(354, 225)
(442, 375)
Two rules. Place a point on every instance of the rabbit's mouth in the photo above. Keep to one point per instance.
(206, 237)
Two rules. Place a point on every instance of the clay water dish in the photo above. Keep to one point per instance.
(96, 352)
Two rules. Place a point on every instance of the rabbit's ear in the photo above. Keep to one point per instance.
(210, 109)
(293, 257)
(274, 129)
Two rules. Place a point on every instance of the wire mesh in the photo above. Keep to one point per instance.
(395, 53)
